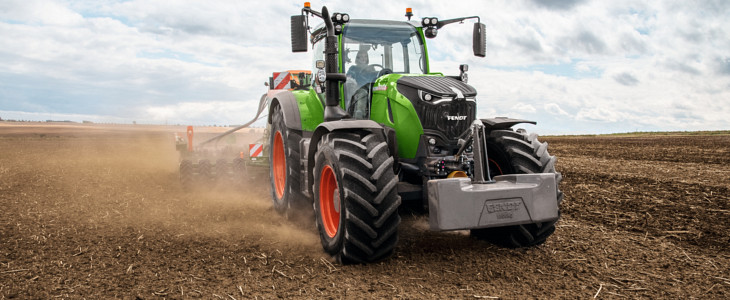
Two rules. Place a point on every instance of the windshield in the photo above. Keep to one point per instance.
(373, 48)
(395, 46)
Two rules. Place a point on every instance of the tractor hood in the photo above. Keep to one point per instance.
(438, 87)
(445, 106)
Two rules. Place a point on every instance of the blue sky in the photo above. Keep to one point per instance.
(574, 66)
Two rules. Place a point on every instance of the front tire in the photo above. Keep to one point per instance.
(516, 152)
(284, 165)
(355, 197)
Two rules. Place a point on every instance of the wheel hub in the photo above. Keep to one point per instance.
(329, 201)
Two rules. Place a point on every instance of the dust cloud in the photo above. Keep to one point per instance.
(122, 179)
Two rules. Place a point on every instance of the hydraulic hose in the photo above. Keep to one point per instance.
(262, 106)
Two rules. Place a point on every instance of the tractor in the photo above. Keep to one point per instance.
(377, 129)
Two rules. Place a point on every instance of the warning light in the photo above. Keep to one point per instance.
(409, 13)
(307, 5)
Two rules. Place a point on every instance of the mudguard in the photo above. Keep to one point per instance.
(289, 107)
(503, 123)
(327, 127)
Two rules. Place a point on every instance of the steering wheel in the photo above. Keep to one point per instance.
(368, 71)
(372, 67)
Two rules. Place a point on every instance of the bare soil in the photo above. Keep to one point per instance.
(98, 212)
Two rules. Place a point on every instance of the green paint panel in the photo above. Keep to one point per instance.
(311, 109)
(407, 125)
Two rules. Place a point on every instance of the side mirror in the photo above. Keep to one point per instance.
(480, 40)
(299, 33)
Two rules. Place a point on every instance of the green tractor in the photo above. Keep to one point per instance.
(377, 129)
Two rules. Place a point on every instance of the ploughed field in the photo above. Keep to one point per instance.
(98, 212)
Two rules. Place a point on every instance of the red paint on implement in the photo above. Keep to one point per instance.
(190, 138)
(281, 80)
(255, 150)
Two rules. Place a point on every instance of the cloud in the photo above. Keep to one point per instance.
(600, 114)
(558, 4)
(43, 12)
(202, 112)
(626, 79)
(523, 108)
(722, 66)
(682, 66)
(570, 65)
(554, 108)
(587, 42)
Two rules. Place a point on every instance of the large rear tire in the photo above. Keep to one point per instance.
(222, 172)
(516, 152)
(284, 165)
(205, 173)
(355, 197)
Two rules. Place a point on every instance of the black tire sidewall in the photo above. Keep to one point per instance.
(277, 125)
(326, 157)
(498, 154)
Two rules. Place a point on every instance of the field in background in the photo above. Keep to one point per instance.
(98, 212)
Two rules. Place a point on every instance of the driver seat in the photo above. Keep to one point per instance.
(359, 107)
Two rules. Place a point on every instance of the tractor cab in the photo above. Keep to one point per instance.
(371, 49)
(368, 50)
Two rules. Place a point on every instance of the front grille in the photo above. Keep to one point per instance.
(434, 117)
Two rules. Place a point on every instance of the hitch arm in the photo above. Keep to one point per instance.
(478, 138)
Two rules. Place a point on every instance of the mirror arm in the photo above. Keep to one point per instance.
(443, 23)
(311, 11)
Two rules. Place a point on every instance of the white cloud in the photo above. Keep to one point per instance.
(523, 108)
(43, 12)
(625, 65)
(554, 108)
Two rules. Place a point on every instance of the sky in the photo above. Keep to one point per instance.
(573, 66)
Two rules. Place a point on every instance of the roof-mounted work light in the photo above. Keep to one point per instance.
(429, 21)
(339, 19)
(430, 26)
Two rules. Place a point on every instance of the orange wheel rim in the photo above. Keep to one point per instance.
(279, 165)
(499, 169)
(329, 201)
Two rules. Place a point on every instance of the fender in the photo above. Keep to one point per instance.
(288, 103)
(503, 123)
(327, 127)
